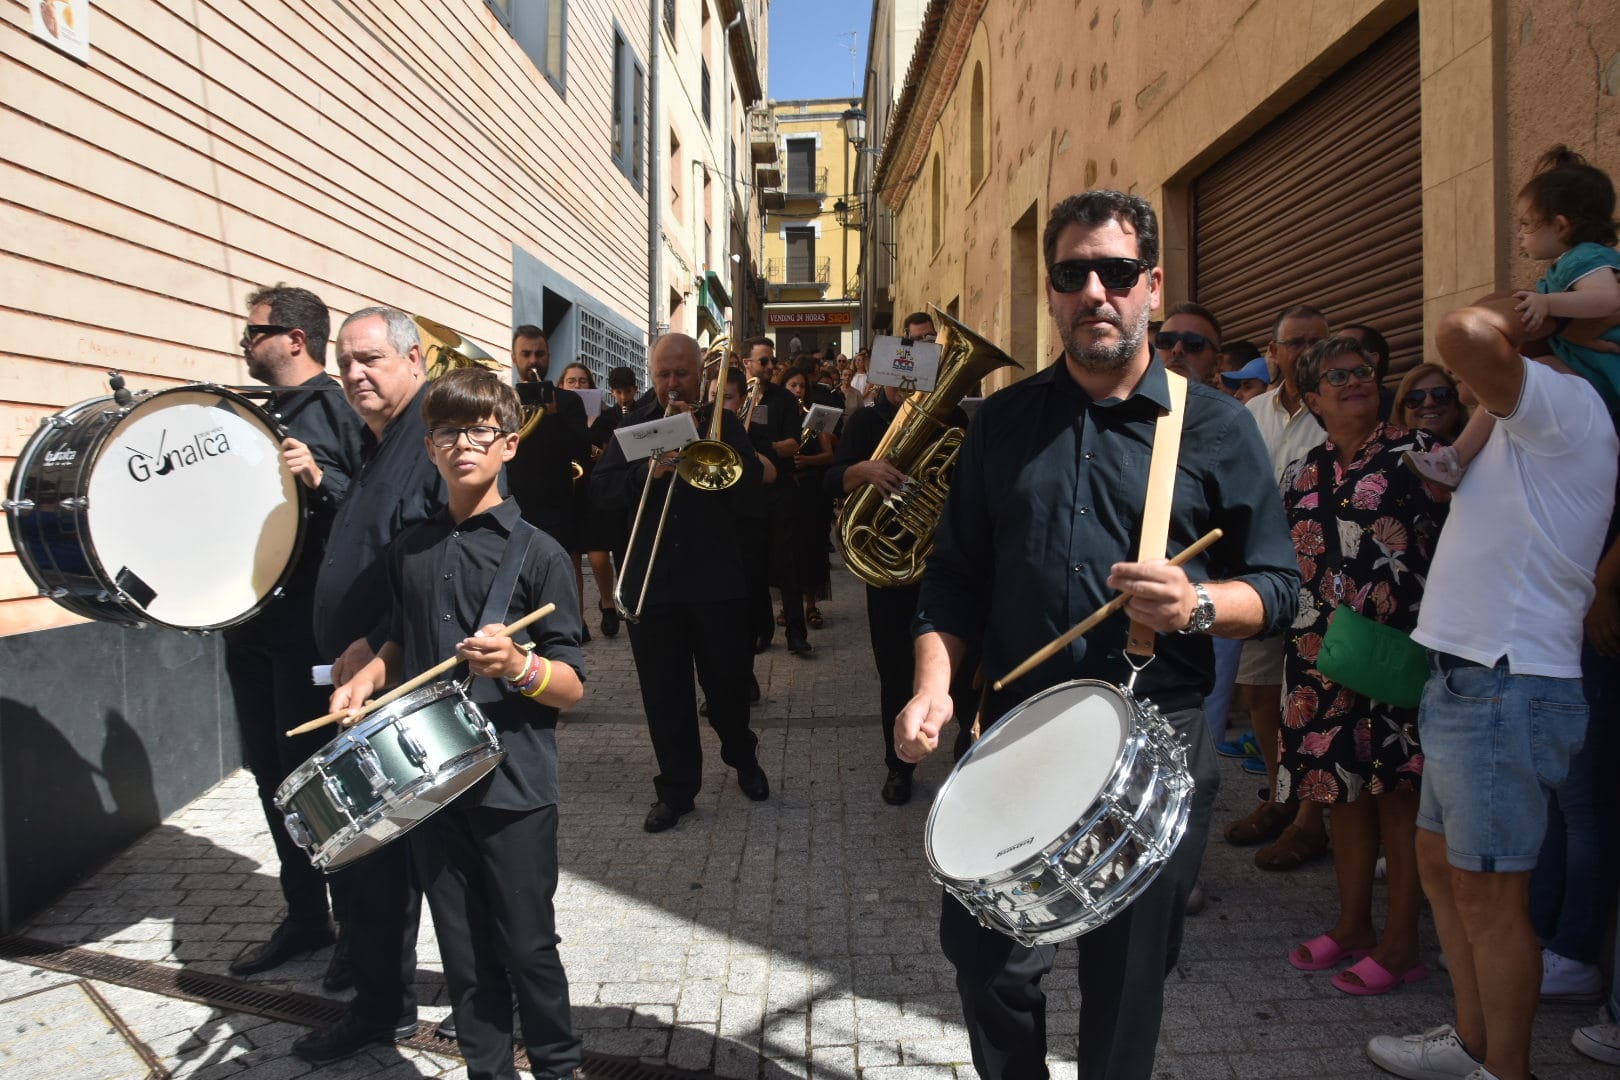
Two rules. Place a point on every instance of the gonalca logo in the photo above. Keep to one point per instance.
(204, 445)
(54, 458)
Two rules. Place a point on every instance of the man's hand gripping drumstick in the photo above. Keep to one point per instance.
(1155, 593)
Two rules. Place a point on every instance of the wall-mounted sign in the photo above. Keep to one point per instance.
(65, 24)
(808, 318)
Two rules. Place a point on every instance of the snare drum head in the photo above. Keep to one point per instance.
(191, 512)
(1029, 779)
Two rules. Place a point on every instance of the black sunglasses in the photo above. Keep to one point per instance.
(1338, 376)
(1440, 395)
(255, 329)
(1168, 339)
(1071, 275)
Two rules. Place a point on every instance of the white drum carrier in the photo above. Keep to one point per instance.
(1062, 814)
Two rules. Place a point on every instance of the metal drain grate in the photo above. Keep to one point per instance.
(288, 1006)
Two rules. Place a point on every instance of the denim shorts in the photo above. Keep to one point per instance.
(1494, 747)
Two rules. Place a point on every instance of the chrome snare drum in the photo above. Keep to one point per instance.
(1062, 814)
(170, 508)
(387, 774)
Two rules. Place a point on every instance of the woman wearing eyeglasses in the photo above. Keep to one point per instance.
(1427, 400)
(1364, 529)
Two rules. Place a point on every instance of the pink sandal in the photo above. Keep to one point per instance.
(1324, 953)
(1375, 978)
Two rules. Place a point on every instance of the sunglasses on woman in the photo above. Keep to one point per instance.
(1071, 275)
(1440, 395)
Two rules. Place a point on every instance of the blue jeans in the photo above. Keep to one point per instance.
(1579, 869)
(1219, 702)
(1494, 746)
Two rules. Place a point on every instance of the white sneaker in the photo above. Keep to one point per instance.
(1437, 1054)
(1563, 979)
(1600, 1042)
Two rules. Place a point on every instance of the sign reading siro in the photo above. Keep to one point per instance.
(808, 318)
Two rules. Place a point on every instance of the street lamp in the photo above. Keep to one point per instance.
(855, 126)
(841, 211)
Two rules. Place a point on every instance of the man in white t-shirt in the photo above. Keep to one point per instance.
(1503, 711)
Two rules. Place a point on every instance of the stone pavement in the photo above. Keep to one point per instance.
(793, 938)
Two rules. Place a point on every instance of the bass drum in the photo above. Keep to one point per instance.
(174, 509)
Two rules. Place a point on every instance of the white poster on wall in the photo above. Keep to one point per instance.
(64, 24)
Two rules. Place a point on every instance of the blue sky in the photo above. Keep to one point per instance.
(810, 43)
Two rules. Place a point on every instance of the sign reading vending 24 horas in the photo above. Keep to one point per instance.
(808, 318)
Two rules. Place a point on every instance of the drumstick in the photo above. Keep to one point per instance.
(427, 676)
(1041, 655)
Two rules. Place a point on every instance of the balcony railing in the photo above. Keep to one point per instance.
(799, 270)
(803, 182)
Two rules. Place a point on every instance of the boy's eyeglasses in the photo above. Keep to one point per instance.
(480, 436)
(1168, 339)
(1440, 395)
(1071, 275)
(1338, 376)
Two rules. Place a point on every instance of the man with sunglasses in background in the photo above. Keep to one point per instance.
(268, 658)
(1040, 529)
(1289, 430)
(1189, 343)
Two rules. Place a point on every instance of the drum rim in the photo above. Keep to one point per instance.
(492, 751)
(344, 740)
(1131, 704)
(134, 614)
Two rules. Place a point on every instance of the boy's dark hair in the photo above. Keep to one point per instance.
(1234, 354)
(1298, 311)
(299, 309)
(1092, 208)
(1565, 184)
(738, 378)
(471, 396)
(1187, 307)
(621, 377)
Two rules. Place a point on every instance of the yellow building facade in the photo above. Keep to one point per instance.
(811, 259)
(1401, 129)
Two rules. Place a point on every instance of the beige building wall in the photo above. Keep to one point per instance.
(391, 152)
(1144, 97)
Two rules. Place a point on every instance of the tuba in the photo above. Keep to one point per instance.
(887, 540)
(445, 350)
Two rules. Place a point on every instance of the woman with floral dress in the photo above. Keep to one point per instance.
(1359, 755)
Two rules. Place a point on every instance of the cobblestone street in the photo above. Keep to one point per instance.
(790, 938)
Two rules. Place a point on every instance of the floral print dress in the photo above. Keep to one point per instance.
(1336, 742)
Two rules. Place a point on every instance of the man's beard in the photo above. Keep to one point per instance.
(1097, 358)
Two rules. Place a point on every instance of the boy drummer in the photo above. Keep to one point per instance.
(488, 862)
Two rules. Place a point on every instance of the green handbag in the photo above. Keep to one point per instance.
(1374, 660)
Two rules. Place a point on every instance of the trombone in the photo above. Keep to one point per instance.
(706, 464)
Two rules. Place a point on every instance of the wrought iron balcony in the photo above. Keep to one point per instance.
(803, 183)
(799, 270)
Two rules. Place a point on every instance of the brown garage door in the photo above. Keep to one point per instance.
(1323, 207)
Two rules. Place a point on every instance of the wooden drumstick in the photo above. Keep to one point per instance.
(1045, 652)
(426, 677)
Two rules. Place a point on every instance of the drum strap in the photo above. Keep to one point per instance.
(1161, 491)
(498, 603)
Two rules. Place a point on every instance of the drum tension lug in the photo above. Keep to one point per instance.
(17, 506)
(412, 747)
(370, 768)
(75, 503)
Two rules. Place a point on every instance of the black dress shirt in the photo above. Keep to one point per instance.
(700, 558)
(396, 488)
(1048, 494)
(541, 477)
(315, 413)
(440, 574)
(783, 418)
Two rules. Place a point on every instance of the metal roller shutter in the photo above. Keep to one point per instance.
(1323, 207)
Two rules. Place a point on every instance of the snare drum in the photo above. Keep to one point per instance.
(174, 509)
(1062, 814)
(387, 774)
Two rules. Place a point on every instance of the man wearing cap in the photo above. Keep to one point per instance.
(1249, 381)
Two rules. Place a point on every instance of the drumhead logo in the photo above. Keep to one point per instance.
(1015, 847)
(66, 456)
(203, 445)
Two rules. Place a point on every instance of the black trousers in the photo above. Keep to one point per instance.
(668, 643)
(489, 877)
(384, 910)
(1123, 965)
(754, 535)
(272, 691)
(784, 560)
(888, 620)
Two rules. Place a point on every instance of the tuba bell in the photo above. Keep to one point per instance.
(444, 350)
(887, 540)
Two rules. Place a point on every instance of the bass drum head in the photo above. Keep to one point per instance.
(1027, 781)
(192, 514)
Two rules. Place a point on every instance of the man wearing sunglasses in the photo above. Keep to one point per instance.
(1189, 342)
(1039, 530)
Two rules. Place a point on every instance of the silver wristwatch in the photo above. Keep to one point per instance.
(1203, 612)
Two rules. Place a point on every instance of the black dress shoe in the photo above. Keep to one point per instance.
(663, 816)
(897, 788)
(584, 632)
(447, 1028)
(761, 644)
(610, 622)
(340, 969)
(289, 940)
(346, 1038)
(754, 783)
(799, 644)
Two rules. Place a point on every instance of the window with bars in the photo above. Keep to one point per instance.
(602, 348)
(540, 28)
